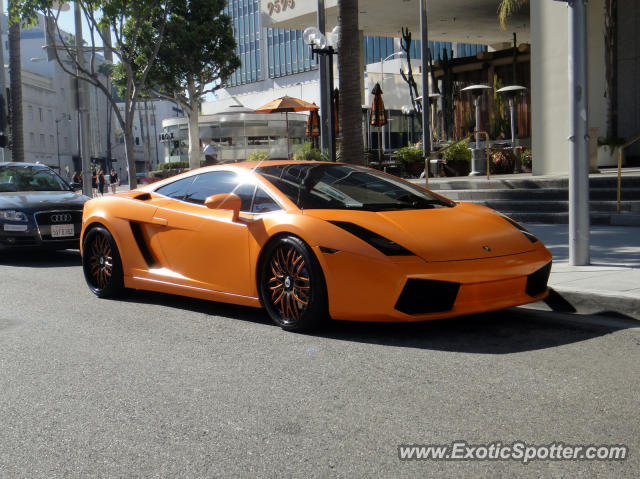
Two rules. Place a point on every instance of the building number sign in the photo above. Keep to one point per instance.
(278, 6)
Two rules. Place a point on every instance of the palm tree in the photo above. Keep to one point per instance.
(15, 79)
(349, 70)
(507, 8)
(611, 65)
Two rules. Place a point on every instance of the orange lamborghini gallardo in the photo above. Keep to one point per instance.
(309, 241)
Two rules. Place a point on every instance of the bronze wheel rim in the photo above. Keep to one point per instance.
(100, 261)
(288, 283)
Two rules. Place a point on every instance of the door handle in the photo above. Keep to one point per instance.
(159, 221)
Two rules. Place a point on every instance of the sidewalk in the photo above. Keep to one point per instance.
(611, 283)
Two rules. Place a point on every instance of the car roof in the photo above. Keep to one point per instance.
(22, 163)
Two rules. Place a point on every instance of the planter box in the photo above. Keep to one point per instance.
(608, 156)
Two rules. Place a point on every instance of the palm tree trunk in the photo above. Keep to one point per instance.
(349, 70)
(15, 79)
(611, 65)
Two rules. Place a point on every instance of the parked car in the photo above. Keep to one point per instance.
(38, 209)
(311, 240)
(143, 178)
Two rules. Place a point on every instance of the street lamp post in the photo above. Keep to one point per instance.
(399, 54)
(63, 117)
(324, 47)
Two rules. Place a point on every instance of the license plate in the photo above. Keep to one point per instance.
(59, 231)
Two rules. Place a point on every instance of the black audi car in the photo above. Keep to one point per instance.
(38, 209)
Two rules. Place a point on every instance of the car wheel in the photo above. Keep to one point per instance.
(292, 286)
(101, 263)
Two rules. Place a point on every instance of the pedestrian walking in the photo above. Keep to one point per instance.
(94, 184)
(101, 182)
(210, 154)
(113, 180)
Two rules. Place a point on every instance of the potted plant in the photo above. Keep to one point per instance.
(608, 150)
(458, 159)
(411, 159)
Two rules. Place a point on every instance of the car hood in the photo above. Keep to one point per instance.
(41, 200)
(463, 232)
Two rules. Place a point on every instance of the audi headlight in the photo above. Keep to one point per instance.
(13, 215)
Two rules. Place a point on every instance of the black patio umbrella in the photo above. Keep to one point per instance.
(378, 115)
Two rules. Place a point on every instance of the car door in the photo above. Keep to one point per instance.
(204, 247)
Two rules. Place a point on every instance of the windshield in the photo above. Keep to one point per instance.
(338, 186)
(30, 178)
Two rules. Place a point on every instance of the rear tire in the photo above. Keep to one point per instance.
(292, 286)
(101, 263)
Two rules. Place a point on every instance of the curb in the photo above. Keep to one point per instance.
(565, 300)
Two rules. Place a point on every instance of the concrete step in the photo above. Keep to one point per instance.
(563, 218)
(548, 194)
(528, 182)
(525, 206)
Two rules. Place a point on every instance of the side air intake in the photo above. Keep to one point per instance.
(537, 282)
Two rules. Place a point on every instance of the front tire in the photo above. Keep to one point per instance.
(101, 263)
(292, 286)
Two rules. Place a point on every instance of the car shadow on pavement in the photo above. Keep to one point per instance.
(202, 306)
(41, 259)
(500, 332)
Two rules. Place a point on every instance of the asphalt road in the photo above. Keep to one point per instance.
(164, 386)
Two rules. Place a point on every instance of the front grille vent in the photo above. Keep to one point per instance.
(422, 296)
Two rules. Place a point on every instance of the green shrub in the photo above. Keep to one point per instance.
(458, 152)
(174, 165)
(409, 155)
(308, 153)
(258, 156)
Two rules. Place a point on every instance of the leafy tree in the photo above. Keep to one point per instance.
(120, 25)
(196, 57)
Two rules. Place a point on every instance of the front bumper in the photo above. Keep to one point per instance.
(37, 232)
(410, 289)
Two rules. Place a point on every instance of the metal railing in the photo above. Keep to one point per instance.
(621, 148)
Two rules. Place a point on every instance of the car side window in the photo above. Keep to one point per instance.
(263, 203)
(177, 189)
(211, 183)
(245, 192)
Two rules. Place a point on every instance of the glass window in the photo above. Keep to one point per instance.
(332, 186)
(245, 192)
(30, 178)
(177, 189)
(211, 183)
(263, 203)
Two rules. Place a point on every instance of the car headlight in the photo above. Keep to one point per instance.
(13, 215)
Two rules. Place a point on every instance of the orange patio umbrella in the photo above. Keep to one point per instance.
(285, 105)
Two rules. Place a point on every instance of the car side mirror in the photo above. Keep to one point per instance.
(225, 201)
(75, 186)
